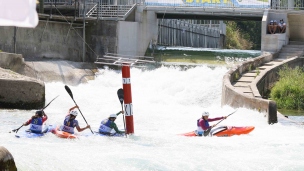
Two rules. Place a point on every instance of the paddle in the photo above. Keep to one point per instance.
(120, 94)
(71, 94)
(16, 130)
(209, 129)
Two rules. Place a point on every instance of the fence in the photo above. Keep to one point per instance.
(184, 33)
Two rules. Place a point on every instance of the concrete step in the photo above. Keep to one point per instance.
(249, 74)
(246, 79)
(292, 50)
(294, 46)
(296, 43)
(241, 84)
(286, 56)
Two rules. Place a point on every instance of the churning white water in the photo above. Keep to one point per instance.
(167, 101)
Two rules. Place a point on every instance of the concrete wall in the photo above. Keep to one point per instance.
(18, 91)
(11, 61)
(101, 36)
(273, 42)
(261, 84)
(234, 98)
(134, 37)
(296, 25)
(127, 38)
(47, 40)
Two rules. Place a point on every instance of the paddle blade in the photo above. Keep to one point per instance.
(120, 94)
(69, 91)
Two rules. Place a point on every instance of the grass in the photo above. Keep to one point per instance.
(288, 92)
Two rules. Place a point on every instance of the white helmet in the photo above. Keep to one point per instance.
(113, 116)
(74, 112)
(205, 114)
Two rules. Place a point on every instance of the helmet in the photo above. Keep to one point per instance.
(205, 114)
(113, 116)
(74, 112)
(39, 112)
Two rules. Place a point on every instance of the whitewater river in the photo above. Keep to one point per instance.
(167, 101)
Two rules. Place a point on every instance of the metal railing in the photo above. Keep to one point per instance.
(121, 8)
(103, 11)
(120, 59)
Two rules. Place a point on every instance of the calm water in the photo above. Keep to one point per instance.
(225, 57)
(167, 101)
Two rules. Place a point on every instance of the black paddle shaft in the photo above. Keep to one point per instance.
(120, 94)
(71, 94)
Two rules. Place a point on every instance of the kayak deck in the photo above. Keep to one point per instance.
(62, 134)
(29, 134)
(225, 131)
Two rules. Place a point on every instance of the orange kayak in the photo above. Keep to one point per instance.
(63, 134)
(225, 131)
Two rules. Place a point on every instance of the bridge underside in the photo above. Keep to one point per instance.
(207, 17)
(208, 13)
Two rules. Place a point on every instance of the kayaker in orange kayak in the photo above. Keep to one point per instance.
(203, 123)
(70, 122)
(107, 125)
(36, 121)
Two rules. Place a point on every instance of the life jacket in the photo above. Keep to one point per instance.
(200, 130)
(36, 125)
(69, 125)
(105, 126)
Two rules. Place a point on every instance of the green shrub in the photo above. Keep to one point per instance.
(288, 92)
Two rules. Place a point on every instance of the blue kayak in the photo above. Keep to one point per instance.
(29, 134)
(109, 134)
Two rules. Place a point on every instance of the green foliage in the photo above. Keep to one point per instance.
(243, 35)
(288, 92)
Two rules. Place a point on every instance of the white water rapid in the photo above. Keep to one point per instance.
(167, 102)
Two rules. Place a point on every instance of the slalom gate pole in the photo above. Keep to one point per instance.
(126, 80)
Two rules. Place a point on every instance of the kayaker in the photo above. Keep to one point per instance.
(36, 122)
(203, 123)
(107, 125)
(70, 122)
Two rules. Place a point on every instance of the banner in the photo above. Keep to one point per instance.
(20, 13)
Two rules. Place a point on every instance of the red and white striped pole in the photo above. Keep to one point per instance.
(126, 80)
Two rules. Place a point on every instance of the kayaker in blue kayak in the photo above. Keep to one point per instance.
(70, 122)
(36, 122)
(107, 125)
(203, 123)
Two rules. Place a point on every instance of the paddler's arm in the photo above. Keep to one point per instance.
(81, 129)
(120, 112)
(114, 126)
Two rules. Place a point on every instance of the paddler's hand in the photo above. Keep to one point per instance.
(122, 112)
(224, 117)
(88, 126)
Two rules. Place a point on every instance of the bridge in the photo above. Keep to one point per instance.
(85, 30)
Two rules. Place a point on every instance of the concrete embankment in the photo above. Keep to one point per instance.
(23, 82)
(246, 84)
(18, 91)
